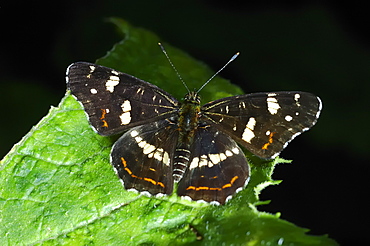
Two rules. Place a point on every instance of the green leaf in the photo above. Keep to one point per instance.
(57, 186)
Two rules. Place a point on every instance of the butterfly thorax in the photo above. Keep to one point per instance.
(189, 113)
(188, 120)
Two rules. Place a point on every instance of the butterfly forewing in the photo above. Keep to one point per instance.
(217, 167)
(264, 123)
(143, 156)
(115, 101)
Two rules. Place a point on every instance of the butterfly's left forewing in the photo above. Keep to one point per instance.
(264, 123)
(116, 101)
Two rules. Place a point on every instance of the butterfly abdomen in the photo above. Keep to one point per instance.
(181, 162)
(187, 125)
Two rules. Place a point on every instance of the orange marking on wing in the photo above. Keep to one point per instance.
(202, 188)
(266, 145)
(103, 113)
(152, 181)
(137, 177)
(125, 166)
(234, 179)
(231, 182)
(228, 185)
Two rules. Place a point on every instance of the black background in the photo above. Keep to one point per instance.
(316, 46)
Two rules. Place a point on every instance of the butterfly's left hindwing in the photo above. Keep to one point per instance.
(115, 101)
(217, 168)
(264, 123)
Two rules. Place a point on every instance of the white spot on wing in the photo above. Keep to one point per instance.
(215, 158)
(272, 105)
(288, 118)
(92, 68)
(125, 118)
(194, 163)
(126, 106)
(140, 91)
(150, 150)
(211, 160)
(158, 154)
(248, 133)
(134, 133)
(223, 156)
(296, 98)
(235, 150)
(234, 128)
(216, 203)
(166, 158)
(126, 115)
(228, 153)
(203, 161)
(111, 83)
(115, 72)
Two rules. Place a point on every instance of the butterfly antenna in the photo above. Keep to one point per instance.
(173, 66)
(214, 75)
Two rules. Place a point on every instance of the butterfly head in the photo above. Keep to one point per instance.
(192, 97)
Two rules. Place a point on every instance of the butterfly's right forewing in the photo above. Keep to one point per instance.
(115, 101)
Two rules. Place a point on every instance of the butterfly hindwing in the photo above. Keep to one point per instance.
(116, 101)
(142, 157)
(217, 167)
(264, 123)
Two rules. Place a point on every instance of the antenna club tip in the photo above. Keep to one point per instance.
(161, 46)
(234, 56)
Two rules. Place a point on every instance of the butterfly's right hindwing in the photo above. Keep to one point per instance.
(115, 101)
(143, 157)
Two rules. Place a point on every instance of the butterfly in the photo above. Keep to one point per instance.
(169, 145)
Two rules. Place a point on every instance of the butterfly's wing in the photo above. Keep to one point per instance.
(143, 157)
(115, 101)
(217, 167)
(264, 123)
